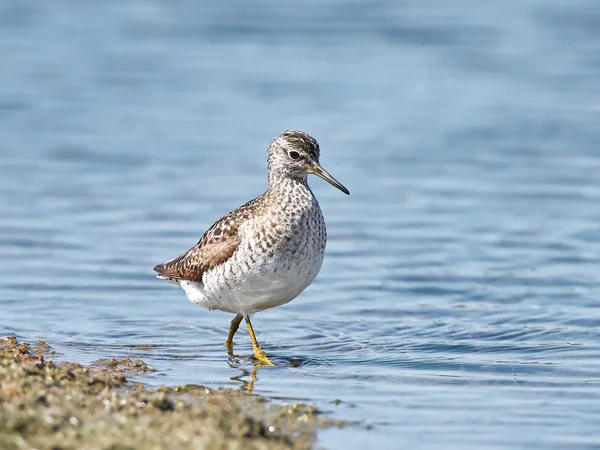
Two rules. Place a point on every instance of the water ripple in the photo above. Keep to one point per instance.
(458, 303)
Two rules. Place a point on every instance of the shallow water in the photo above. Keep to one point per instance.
(458, 302)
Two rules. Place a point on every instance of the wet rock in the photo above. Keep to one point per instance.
(48, 405)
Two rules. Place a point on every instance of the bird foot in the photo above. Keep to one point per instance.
(261, 357)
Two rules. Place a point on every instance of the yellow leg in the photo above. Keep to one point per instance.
(259, 354)
(235, 324)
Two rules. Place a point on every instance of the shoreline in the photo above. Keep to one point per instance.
(49, 405)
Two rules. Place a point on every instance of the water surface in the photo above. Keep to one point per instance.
(458, 303)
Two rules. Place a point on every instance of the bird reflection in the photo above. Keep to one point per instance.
(246, 385)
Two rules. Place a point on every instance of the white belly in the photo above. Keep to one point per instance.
(258, 289)
(272, 280)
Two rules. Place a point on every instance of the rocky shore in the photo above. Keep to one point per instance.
(62, 405)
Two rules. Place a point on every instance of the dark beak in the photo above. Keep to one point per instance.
(322, 173)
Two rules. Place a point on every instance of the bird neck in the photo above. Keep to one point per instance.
(285, 184)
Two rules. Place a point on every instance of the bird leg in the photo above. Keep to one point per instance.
(235, 324)
(259, 354)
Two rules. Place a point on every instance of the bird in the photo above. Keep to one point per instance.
(266, 252)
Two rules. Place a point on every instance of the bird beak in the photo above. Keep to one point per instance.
(322, 173)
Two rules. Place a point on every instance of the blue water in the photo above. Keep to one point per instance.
(458, 305)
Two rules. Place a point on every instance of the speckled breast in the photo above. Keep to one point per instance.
(278, 258)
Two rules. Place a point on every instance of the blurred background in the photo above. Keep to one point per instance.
(458, 302)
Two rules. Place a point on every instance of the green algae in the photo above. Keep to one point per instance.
(48, 405)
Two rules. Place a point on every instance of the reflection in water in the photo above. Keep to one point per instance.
(234, 363)
(247, 386)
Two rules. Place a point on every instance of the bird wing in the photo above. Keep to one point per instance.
(215, 247)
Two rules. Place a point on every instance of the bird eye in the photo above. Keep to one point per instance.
(294, 155)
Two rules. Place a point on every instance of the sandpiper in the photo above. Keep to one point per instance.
(266, 252)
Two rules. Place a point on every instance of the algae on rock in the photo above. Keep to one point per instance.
(48, 405)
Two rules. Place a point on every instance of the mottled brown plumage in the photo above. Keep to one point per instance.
(215, 247)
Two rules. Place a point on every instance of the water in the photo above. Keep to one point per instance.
(458, 303)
